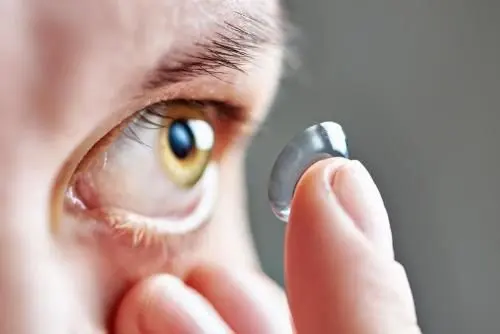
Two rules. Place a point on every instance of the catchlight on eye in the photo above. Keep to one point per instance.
(318, 142)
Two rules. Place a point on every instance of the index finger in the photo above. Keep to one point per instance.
(340, 273)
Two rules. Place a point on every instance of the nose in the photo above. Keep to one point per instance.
(42, 289)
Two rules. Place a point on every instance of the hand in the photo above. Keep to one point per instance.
(341, 275)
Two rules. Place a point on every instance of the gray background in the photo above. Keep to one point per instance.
(416, 85)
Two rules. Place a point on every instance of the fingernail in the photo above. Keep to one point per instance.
(357, 193)
(170, 306)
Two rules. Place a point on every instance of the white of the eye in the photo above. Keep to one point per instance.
(199, 215)
(203, 134)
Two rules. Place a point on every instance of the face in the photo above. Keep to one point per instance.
(124, 127)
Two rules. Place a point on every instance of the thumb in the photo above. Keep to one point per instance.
(340, 271)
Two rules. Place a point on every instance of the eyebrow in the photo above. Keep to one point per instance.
(233, 45)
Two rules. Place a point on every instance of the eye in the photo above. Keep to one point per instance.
(152, 175)
(185, 144)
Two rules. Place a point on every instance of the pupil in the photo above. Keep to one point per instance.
(181, 139)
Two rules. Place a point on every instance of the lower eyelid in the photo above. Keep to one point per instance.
(141, 231)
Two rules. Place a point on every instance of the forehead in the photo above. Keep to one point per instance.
(196, 15)
(183, 19)
(92, 49)
(143, 25)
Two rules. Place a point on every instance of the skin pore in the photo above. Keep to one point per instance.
(77, 70)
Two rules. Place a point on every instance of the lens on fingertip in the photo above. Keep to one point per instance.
(318, 142)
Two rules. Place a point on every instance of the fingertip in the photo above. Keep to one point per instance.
(162, 304)
(339, 195)
(315, 208)
(319, 237)
(358, 194)
(231, 291)
(339, 278)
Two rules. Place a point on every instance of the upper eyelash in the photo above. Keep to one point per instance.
(144, 118)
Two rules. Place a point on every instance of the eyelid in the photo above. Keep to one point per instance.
(222, 115)
(233, 123)
(227, 120)
(225, 115)
(87, 188)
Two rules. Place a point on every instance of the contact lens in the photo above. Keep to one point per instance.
(318, 142)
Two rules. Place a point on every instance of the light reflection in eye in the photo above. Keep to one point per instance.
(151, 175)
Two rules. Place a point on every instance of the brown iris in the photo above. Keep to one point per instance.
(185, 144)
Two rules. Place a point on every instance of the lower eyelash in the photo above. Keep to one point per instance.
(140, 231)
(143, 235)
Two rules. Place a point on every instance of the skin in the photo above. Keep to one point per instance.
(73, 71)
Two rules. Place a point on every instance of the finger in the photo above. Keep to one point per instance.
(360, 199)
(249, 302)
(164, 304)
(340, 273)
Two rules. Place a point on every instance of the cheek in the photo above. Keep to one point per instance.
(120, 262)
(137, 250)
(117, 265)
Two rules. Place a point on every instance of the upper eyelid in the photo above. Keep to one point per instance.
(222, 109)
(143, 117)
(233, 105)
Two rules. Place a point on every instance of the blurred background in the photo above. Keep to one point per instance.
(416, 86)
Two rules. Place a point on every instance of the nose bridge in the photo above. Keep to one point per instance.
(38, 293)
(40, 289)
(25, 254)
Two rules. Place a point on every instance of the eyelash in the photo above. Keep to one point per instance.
(144, 118)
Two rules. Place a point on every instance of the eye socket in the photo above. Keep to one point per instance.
(185, 145)
(153, 175)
